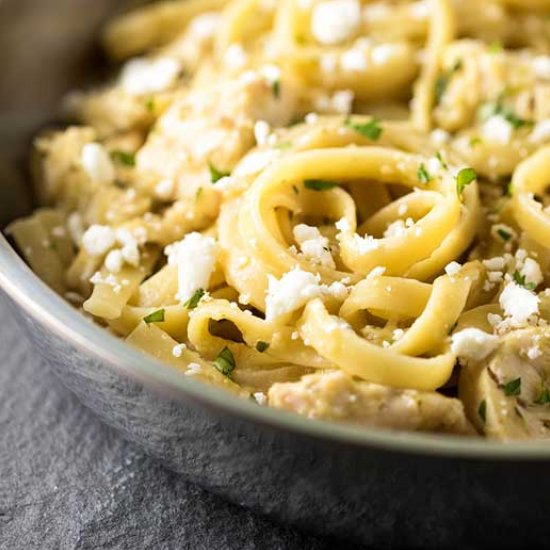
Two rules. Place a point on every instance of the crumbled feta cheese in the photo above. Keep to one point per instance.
(164, 189)
(497, 129)
(541, 132)
(495, 264)
(97, 163)
(177, 350)
(397, 334)
(235, 57)
(291, 292)
(532, 272)
(343, 225)
(314, 245)
(193, 369)
(382, 53)
(541, 66)
(474, 344)
(260, 397)
(114, 261)
(342, 101)
(518, 303)
(204, 26)
(494, 319)
(453, 268)
(395, 229)
(366, 244)
(143, 76)
(534, 353)
(195, 256)
(261, 132)
(335, 21)
(311, 118)
(439, 137)
(354, 59)
(98, 239)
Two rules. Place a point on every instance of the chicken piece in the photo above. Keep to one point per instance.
(506, 395)
(336, 396)
(213, 127)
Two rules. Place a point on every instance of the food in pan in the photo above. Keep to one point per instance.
(337, 208)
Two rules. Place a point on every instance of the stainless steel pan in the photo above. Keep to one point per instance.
(369, 486)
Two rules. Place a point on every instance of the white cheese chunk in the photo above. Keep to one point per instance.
(335, 21)
(98, 239)
(541, 66)
(532, 272)
(497, 129)
(453, 268)
(314, 246)
(472, 343)
(97, 163)
(143, 76)
(195, 256)
(518, 303)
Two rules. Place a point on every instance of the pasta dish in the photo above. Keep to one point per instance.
(337, 208)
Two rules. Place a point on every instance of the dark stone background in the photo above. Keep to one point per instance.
(69, 482)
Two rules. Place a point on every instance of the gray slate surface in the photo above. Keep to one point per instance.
(68, 482)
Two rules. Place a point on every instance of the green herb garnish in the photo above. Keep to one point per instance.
(496, 108)
(504, 235)
(284, 145)
(155, 317)
(262, 346)
(513, 387)
(495, 47)
(150, 104)
(423, 174)
(371, 129)
(482, 411)
(193, 302)
(439, 157)
(225, 362)
(128, 159)
(295, 189)
(443, 81)
(319, 185)
(276, 88)
(544, 397)
(216, 174)
(519, 279)
(464, 178)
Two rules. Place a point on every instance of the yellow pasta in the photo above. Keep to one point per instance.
(337, 207)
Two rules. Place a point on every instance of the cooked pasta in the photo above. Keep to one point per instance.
(337, 208)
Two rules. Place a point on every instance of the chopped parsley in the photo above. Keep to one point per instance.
(276, 88)
(262, 346)
(464, 178)
(319, 185)
(128, 159)
(443, 81)
(155, 317)
(504, 235)
(193, 302)
(150, 104)
(371, 129)
(441, 160)
(284, 145)
(519, 279)
(423, 174)
(482, 411)
(216, 174)
(295, 189)
(544, 397)
(225, 362)
(513, 387)
(495, 47)
(496, 108)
